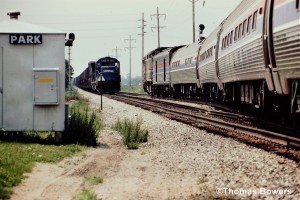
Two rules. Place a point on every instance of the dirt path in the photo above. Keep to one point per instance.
(127, 175)
(66, 179)
(141, 175)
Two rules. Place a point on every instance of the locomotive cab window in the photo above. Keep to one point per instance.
(298, 5)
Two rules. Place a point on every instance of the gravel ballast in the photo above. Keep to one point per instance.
(183, 162)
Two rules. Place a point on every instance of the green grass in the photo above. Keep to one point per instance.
(133, 89)
(86, 195)
(17, 158)
(93, 180)
(132, 132)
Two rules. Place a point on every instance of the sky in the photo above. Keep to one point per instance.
(104, 27)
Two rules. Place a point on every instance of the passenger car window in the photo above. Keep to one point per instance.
(244, 27)
(249, 23)
(254, 20)
(240, 31)
(236, 33)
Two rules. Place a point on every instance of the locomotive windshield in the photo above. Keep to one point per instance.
(108, 63)
(108, 69)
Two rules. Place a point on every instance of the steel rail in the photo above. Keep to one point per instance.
(192, 118)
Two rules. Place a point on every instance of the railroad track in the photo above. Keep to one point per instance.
(233, 125)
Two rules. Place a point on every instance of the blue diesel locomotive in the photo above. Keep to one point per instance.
(102, 76)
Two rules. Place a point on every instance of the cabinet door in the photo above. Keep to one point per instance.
(45, 87)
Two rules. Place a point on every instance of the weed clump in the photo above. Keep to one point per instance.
(83, 127)
(86, 195)
(132, 132)
(93, 180)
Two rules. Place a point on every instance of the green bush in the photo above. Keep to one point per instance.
(83, 127)
(5, 193)
(132, 132)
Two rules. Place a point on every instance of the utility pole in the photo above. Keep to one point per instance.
(193, 2)
(157, 15)
(143, 33)
(130, 47)
(69, 67)
(143, 37)
(116, 49)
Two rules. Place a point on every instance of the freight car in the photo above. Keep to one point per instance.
(251, 60)
(102, 76)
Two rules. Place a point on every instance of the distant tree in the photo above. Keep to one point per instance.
(134, 80)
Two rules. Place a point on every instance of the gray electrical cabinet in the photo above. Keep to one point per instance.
(32, 77)
(46, 86)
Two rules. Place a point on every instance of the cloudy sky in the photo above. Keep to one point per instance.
(102, 26)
